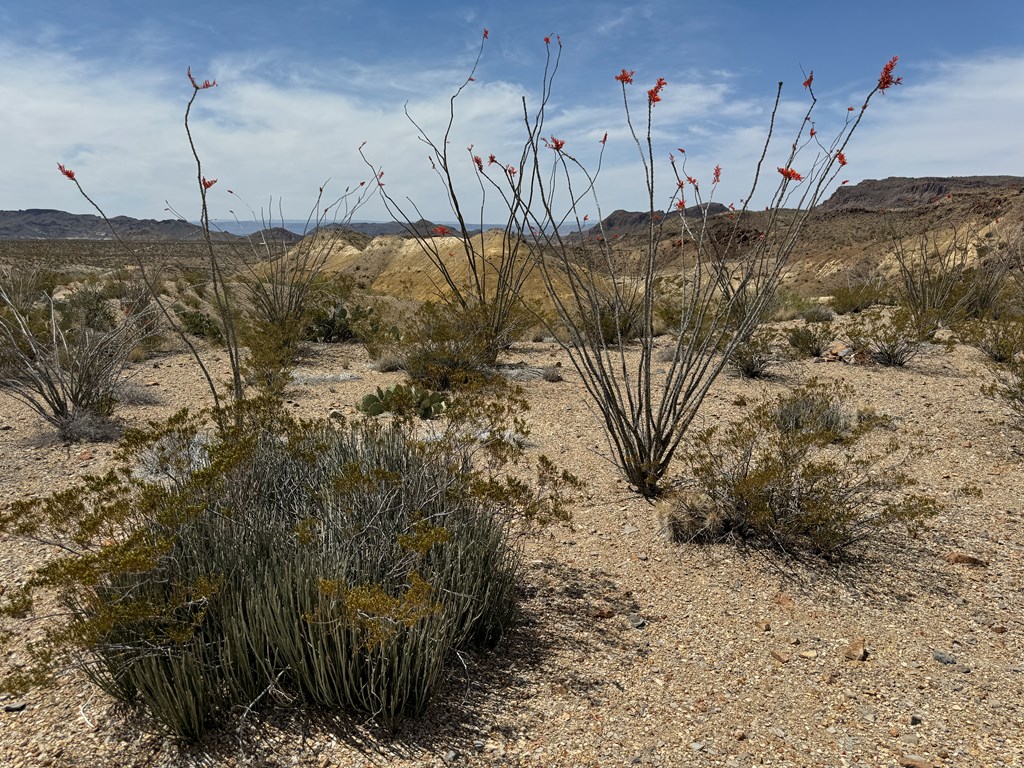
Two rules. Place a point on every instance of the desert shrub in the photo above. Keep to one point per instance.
(810, 340)
(817, 313)
(891, 340)
(753, 358)
(339, 324)
(200, 324)
(86, 307)
(339, 564)
(66, 372)
(861, 291)
(446, 346)
(814, 408)
(1009, 387)
(788, 477)
(1002, 340)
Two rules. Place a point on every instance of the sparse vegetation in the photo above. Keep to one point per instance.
(792, 476)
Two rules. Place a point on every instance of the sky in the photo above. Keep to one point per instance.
(101, 86)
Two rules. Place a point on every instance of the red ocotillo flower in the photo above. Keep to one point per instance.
(547, 40)
(479, 163)
(886, 80)
(790, 174)
(66, 171)
(654, 95)
(604, 139)
(511, 170)
(809, 80)
(681, 205)
(441, 230)
(555, 144)
(208, 183)
(717, 177)
(486, 33)
(491, 159)
(626, 77)
(199, 87)
(841, 158)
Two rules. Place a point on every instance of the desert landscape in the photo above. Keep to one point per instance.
(637, 640)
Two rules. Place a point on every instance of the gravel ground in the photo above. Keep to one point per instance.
(634, 650)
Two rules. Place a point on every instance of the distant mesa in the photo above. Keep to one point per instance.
(901, 192)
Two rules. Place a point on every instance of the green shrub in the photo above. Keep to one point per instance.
(200, 324)
(752, 358)
(1002, 340)
(856, 297)
(892, 341)
(68, 375)
(1009, 387)
(788, 478)
(446, 347)
(338, 325)
(340, 565)
(817, 313)
(810, 340)
(86, 307)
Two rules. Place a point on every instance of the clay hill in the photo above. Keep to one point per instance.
(854, 226)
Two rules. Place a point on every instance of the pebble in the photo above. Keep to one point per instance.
(943, 658)
(638, 621)
(17, 706)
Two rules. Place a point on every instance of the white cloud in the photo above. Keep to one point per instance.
(271, 129)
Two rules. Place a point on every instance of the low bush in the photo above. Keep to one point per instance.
(200, 324)
(752, 358)
(338, 565)
(64, 370)
(788, 477)
(1002, 340)
(892, 340)
(1009, 387)
(810, 340)
(817, 313)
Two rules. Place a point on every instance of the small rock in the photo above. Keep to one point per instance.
(17, 706)
(85, 456)
(697, 746)
(638, 621)
(808, 654)
(781, 656)
(478, 745)
(963, 668)
(785, 600)
(5, 427)
(916, 719)
(943, 658)
(764, 626)
(335, 414)
(999, 629)
(962, 558)
(153, 383)
(739, 735)
(641, 557)
(915, 761)
(450, 756)
(856, 650)
(602, 613)
(628, 529)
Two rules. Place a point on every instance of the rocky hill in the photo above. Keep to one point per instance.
(899, 192)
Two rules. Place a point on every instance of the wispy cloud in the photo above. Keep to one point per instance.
(280, 126)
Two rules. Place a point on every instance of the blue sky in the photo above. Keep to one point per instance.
(101, 87)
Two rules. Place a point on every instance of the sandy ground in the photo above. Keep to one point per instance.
(634, 650)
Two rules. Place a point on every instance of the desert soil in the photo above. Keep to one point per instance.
(634, 650)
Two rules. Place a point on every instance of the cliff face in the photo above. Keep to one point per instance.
(900, 192)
